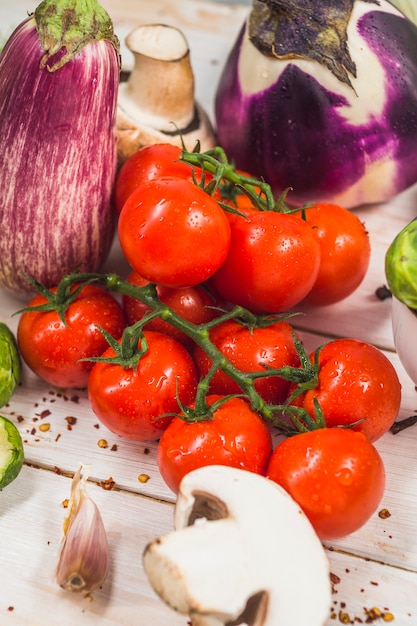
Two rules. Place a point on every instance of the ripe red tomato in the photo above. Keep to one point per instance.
(272, 264)
(149, 162)
(131, 402)
(173, 233)
(194, 304)
(249, 350)
(345, 252)
(236, 436)
(356, 381)
(53, 350)
(334, 474)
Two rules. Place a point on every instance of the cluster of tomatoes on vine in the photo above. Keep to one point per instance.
(198, 352)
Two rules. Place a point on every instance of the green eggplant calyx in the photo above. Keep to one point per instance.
(68, 26)
(401, 265)
(305, 29)
(10, 364)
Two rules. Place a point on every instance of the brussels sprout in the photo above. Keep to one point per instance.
(401, 265)
(11, 452)
(10, 364)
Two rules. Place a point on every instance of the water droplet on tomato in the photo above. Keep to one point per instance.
(344, 477)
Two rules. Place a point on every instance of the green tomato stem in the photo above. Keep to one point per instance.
(127, 354)
(200, 335)
(215, 162)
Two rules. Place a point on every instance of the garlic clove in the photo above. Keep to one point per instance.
(84, 557)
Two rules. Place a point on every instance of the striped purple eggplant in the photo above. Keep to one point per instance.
(59, 76)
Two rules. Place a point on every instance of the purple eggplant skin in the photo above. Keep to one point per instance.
(295, 133)
(57, 160)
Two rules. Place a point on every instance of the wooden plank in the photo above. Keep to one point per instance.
(377, 565)
(31, 517)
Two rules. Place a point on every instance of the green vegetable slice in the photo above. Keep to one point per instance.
(10, 364)
(401, 265)
(11, 452)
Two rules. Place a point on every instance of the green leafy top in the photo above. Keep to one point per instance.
(70, 25)
(305, 29)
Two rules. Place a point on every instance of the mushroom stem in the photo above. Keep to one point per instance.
(161, 85)
(181, 567)
(157, 103)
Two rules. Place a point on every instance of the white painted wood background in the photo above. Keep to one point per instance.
(375, 567)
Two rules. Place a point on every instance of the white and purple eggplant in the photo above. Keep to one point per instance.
(321, 97)
(59, 76)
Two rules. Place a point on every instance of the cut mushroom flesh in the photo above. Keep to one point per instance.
(243, 553)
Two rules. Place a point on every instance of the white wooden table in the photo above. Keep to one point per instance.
(375, 568)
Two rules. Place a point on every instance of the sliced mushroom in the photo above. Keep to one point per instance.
(242, 553)
(157, 104)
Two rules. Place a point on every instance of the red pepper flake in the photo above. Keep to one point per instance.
(97, 426)
(373, 582)
(33, 431)
(75, 399)
(71, 421)
(61, 472)
(58, 437)
(108, 484)
(375, 613)
(20, 418)
(344, 618)
(146, 451)
(114, 448)
(10, 608)
(384, 514)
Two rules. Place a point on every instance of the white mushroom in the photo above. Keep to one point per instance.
(157, 104)
(242, 553)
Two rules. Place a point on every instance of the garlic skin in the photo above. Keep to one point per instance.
(157, 104)
(84, 558)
